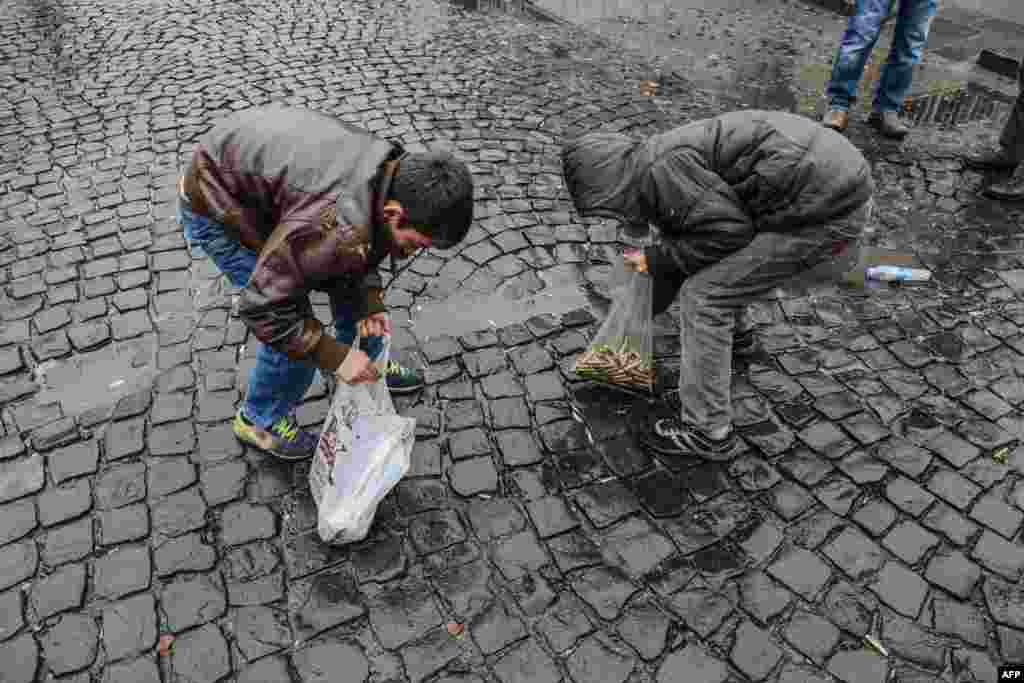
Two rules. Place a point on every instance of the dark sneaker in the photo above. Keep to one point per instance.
(889, 124)
(403, 380)
(990, 160)
(744, 343)
(285, 440)
(672, 437)
(1012, 189)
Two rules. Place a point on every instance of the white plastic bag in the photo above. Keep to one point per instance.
(364, 450)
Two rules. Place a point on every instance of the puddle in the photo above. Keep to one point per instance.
(468, 313)
(95, 381)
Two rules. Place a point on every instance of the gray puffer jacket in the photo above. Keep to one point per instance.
(711, 185)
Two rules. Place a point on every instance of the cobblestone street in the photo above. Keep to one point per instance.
(870, 531)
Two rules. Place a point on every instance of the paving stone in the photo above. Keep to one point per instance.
(900, 588)
(855, 553)
(962, 620)
(812, 635)
(122, 572)
(179, 513)
(435, 530)
(129, 523)
(473, 476)
(838, 495)
(518, 448)
(997, 515)
(495, 627)
(596, 661)
(121, 485)
(192, 601)
(645, 628)
(468, 443)
(61, 591)
(876, 516)
(70, 645)
(519, 555)
(63, 503)
(125, 438)
(401, 612)
(178, 438)
(692, 663)
(604, 589)
(268, 670)
(260, 631)
(185, 553)
(999, 555)
(495, 518)
(953, 488)
(19, 659)
(955, 527)
(12, 613)
(241, 523)
(526, 663)
(762, 597)
(802, 571)
(908, 496)
(73, 461)
(201, 656)
(754, 652)
(129, 627)
(858, 666)
(953, 449)
(826, 439)
(68, 542)
(606, 503)
(909, 542)
(909, 640)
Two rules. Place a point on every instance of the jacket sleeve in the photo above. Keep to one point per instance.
(702, 219)
(275, 303)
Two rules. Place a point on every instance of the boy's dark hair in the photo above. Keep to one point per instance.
(436, 191)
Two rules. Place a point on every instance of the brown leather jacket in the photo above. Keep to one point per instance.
(302, 190)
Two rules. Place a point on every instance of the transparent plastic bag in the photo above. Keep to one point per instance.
(363, 452)
(621, 353)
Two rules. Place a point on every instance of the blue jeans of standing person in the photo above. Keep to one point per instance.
(277, 383)
(912, 24)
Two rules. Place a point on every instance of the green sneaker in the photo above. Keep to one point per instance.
(403, 380)
(285, 440)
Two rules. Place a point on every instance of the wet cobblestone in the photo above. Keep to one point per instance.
(872, 497)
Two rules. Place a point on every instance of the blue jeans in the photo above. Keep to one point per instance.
(912, 25)
(277, 384)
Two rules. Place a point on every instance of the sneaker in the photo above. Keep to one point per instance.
(744, 343)
(285, 440)
(990, 160)
(403, 380)
(1012, 189)
(889, 124)
(671, 437)
(836, 119)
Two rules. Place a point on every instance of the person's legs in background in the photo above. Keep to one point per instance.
(855, 48)
(276, 383)
(913, 23)
(1009, 155)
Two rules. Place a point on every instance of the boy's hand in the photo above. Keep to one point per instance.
(377, 325)
(635, 261)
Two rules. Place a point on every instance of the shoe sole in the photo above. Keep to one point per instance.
(1019, 197)
(253, 441)
(710, 457)
(988, 167)
(402, 391)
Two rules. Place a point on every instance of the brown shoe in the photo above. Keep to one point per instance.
(991, 160)
(889, 124)
(836, 119)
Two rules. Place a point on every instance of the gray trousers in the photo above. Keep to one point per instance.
(713, 302)
(1012, 139)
